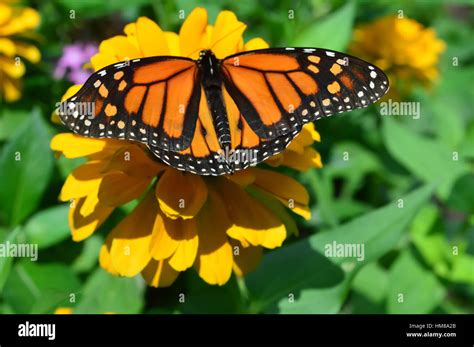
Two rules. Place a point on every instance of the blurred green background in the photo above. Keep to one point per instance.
(424, 250)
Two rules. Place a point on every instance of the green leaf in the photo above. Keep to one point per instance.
(48, 227)
(462, 195)
(10, 121)
(6, 262)
(412, 288)
(202, 298)
(31, 284)
(430, 160)
(104, 293)
(351, 161)
(370, 289)
(331, 32)
(26, 164)
(300, 278)
(89, 254)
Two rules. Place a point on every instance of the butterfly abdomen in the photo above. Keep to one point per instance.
(211, 81)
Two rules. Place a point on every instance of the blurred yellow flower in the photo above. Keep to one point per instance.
(406, 50)
(15, 22)
(217, 224)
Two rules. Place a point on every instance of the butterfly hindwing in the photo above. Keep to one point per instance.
(151, 100)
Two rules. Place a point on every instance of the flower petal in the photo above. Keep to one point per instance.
(286, 189)
(172, 40)
(133, 161)
(75, 146)
(159, 274)
(175, 238)
(11, 89)
(118, 188)
(246, 259)
(226, 34)
(180, 194)
(113, 50)
(214, 260)
(82, 226)
(255, 43)
(252, 222)
(163, 243)
(83, 181)
(192, 32)
(151, 39)
(186, 251)
(302, 162)
(130, 239)
(105, 261)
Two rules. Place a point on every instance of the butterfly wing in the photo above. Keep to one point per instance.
(151, 100)
(278, 90)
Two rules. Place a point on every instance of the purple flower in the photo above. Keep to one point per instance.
(71, 63)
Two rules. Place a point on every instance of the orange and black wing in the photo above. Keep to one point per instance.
(150, 100)
(278, 90)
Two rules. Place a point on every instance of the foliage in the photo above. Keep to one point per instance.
(402, 187)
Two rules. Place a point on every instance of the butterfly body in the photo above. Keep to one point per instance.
(192, 113)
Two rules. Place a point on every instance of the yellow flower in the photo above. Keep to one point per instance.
(403, 48)
(15, 22)
(217, 224)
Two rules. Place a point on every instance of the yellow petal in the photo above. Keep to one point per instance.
(246, 259)
(118, 188)
(84, 180)
(251, 221)
(105, 261)
(130, 239)
(101, 60)
(151, 39)
(28, 51)
(5, 13)
(11, 89)
(243, 178)
(302, 162)
(186, 251)
(163, 243)
(71, 91)
(113, 50)
(7, 47)
(286, 189)
(159, 274)
(26, 19)
(180, 194)
(135, 162)
(192, 32)
(14, 69)
(175, 239)
(214, 260)
(226, 34)
(75, 146)
(63, 310)
(256, 43)
(82, 226)
(172, 40)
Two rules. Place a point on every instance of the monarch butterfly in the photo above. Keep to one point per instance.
(191, 113)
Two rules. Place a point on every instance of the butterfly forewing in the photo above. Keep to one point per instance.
(151, 100)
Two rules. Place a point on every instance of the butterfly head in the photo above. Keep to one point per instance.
(205, 54)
